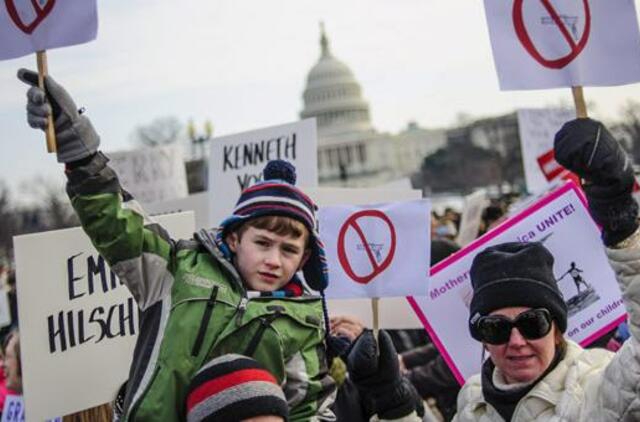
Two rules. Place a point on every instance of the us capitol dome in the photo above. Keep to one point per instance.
(350, 151)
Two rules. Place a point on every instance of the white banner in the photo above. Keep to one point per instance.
(237, 161)
(198, 203)
(537, 129)
(471, 217)
(30, 26)
(78, 323)
(379, 250)
(541, 44)
(562, 223)
(151, 174)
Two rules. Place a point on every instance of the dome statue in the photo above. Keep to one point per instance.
(334, 97)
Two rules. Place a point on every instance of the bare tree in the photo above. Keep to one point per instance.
(161, 131)
(629, 128)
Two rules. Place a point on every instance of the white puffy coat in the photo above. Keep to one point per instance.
(587, 385)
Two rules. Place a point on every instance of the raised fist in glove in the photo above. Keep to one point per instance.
(75, 136)
(375, 370)
(585, 147)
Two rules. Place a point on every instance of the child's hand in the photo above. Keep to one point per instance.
(346, 326)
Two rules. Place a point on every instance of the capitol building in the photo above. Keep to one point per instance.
(351, 152)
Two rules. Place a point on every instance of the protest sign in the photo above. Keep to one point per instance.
(198, 203)
(78, 323)
(237, 161)
(562, 223)
(377, 250)
(541, 44)
(471, 217)
(30, 26)
(151, 174)
(13, 410)
(537, 129)
(395, 313)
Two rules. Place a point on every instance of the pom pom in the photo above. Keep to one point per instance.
(280, 169)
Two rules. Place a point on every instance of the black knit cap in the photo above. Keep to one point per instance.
(515, 274)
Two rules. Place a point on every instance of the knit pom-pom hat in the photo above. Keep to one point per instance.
(234, 388)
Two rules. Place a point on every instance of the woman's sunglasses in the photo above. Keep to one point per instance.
(532, 324)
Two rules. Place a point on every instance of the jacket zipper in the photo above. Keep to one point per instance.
(134, 408)
(265, 322)
(204, 323)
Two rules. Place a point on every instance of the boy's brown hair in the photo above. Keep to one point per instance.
(278, 224)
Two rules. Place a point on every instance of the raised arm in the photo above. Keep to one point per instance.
(137, 249)
(585, 147)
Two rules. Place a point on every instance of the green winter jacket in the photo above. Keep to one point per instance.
(193, 307)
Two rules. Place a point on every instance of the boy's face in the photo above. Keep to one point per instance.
(265, 260)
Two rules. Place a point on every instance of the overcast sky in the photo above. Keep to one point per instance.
(243, 64)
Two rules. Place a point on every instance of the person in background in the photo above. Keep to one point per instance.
(12, 364)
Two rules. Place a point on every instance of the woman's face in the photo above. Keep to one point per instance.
(521, 360)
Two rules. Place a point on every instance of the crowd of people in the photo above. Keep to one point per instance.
(252, 341)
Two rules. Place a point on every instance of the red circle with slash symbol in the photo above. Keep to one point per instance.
(575, 47)
(377, 268)
(41, 10)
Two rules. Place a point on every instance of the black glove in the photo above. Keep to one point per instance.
(586, 147)
(378, 379)
(76, 138)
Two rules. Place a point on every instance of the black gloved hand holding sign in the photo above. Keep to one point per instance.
(375, 371)
(585, 147)
(76, 137)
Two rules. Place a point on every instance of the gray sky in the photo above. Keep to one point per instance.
(243, 64)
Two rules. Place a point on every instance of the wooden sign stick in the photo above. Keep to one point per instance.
(41, 57)
(578, 100)
(376, 320)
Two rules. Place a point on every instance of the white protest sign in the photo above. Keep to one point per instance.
(394, 313)
(13, 410)
(474, 204)
(237, 161)
(198, 203)
(562, 222)
(30, 26)
(78, 323)
(537, 129)
(151, 174)
(541, 44)
(377, 250)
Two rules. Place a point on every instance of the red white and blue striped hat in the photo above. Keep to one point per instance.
(234, 388)
(278, 195)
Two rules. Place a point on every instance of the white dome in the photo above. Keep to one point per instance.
(334, 97)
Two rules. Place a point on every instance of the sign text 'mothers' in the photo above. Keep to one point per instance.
(236, 157)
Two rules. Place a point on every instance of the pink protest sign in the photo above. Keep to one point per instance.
(560, 221)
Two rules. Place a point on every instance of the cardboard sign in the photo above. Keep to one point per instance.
(541, 44)
(151, 174)
(378, 250)
(30, 26)
(78, 323)
(198, 203)
(474, 204)
(13, 410)
(537, 129)
(561, 221)
(237, 161)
